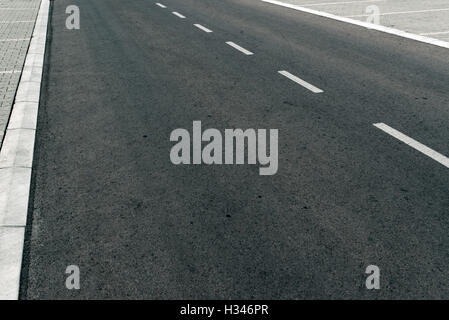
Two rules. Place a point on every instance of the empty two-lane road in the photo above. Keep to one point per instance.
(347, 194)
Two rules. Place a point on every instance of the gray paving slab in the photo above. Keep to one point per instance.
(429, 18)
(17, 19)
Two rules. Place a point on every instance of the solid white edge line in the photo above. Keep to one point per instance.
(414, 144)
(178, 15)
(301, 82)
(239, 48)
(16, 161)
(403, 34)
(160, 5)
(202, 28)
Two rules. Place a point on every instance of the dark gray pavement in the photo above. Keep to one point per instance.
(107, 198)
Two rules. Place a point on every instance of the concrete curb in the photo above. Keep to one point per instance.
(16, 159)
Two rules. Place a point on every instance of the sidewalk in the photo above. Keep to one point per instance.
(23, 30)
(426, 18)
(17, 19)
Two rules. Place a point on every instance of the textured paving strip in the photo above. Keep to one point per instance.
(21, 68)
(14, 41)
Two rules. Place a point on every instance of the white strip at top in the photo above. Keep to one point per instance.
(160, 5)
(367, 25)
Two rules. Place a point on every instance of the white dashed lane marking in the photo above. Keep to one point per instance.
(239, 48)
(160, 5)
(178, 15)
(301, 82)
(414, 144)
(202, 28)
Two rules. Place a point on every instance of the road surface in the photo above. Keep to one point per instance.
(106, 197)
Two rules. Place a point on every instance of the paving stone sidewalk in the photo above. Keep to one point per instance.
(423, 17)
(17, 19)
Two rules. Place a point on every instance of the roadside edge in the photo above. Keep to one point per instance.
(16, 158)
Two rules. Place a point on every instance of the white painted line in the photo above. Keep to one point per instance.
(414, 144)
(239, 48)
(16, 157)
(178, 15)
(202, 28)
(363, 24)
(160, 5)
(337, 3)
(10, 71)
(18, 9)
(434, 33)
(23, 21)
(399, 12)
(22, 39)
(301, 82)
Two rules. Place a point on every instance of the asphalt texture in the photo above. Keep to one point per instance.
(106, 197)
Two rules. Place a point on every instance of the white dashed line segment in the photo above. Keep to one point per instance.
(301, 82)
(178, 15)
(160, 5)
(202, 28)
(239, 48)
(414, 144)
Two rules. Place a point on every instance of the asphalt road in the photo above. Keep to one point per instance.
(106, 197)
